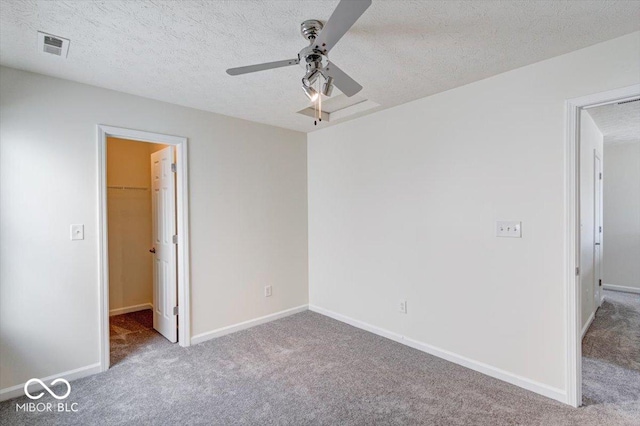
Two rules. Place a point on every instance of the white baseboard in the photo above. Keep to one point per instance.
(202, 337)
(78, 373)
(129, 309)
(588, 324)
(621, 288)
(523, 382)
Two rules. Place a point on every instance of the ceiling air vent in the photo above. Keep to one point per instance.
(53, 45)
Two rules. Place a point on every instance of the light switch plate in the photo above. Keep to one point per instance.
(509, 229)
(77, 232)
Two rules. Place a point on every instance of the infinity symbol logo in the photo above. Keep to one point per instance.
(41, 383)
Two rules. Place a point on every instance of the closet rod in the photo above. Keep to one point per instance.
(128, 188)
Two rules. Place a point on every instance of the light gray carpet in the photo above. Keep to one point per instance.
(310, 369)
(611, 354)
(130, 333)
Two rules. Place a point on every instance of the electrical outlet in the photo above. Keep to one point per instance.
(267, 291)
(402, 307)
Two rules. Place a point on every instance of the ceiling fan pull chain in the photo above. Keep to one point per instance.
(319, 100)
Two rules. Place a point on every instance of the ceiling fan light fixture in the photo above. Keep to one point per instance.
(311, 93)
(327, 88)
(311, 77)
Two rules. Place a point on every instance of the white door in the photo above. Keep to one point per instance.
(165, 294)
(597, 233)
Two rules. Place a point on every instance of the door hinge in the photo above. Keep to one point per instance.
(600, 176)
(577, 270)
(174, 239)
(175, 310)
(174, 167)
(601, 229)
(600, 283)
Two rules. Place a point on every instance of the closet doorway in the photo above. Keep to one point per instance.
(142, 214)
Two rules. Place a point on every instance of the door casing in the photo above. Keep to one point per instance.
(182, 207)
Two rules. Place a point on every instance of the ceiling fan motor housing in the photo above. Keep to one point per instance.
(313, 56)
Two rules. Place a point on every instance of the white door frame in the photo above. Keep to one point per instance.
(572, 238)
(182, 201)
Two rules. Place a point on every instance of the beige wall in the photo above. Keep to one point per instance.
(129, 216)
(403, 205)
(247, 212)
(622, 215)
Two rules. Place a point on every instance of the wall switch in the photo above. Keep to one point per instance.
(402, 307)
(77, 232)
(267, 291)
(509, 229)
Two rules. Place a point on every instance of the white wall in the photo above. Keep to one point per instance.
(621, 235)
(248, 213)
(591, 140)
(403, 204)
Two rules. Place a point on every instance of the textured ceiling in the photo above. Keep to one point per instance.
(619, 123)
(177, 51)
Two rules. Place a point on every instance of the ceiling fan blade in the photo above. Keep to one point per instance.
(346, 14)
(262, 67)
(341, 80)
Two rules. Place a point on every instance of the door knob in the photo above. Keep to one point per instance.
(153, 250)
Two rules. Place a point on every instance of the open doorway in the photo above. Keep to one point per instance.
(142, 260)
(143, 242)
(610, 235)
(604, 347)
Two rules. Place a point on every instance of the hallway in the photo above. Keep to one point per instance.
(611, 354)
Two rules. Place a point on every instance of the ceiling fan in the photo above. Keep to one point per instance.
(322, 38)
